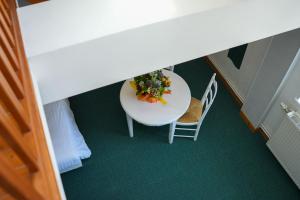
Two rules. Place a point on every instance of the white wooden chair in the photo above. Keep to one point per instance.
(196, 112)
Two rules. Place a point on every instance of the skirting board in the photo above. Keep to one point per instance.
(229, 86)
(247, 122)
(262, 130)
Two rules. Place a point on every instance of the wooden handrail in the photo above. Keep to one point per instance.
(11, 101)
(10, 74)
(20, 188)
(12, 135)
(4, 11)
(10, 52)
(36, 1)
(5, 4)
(6, 29)
(22, 139)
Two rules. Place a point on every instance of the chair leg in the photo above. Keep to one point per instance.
(196, 136)
(171, 132)
(197, 131)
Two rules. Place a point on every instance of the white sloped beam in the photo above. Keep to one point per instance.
(75, 46)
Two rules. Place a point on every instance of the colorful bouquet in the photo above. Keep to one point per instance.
(151, 87)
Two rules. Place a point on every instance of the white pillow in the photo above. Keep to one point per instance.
(68, 143)
(79, 142)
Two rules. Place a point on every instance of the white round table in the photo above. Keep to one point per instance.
(156, 114)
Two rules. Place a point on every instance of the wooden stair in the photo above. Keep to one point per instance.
(26, 170)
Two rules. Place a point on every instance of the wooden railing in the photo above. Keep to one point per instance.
(25, 167)
(36, 1)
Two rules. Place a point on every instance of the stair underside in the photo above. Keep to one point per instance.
(74, 46)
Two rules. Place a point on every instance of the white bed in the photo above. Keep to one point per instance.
(69, 145)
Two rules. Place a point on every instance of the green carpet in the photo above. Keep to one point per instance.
(226, 162)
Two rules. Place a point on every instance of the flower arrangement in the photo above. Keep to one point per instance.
(151, 87)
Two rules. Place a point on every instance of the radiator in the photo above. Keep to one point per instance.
(285, 145)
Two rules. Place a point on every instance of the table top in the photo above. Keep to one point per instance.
(157, 114)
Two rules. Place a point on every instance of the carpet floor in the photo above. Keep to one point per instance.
(226, 162)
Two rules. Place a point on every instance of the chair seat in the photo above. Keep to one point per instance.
(193, 113)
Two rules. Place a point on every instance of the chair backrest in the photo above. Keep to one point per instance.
(209, 96)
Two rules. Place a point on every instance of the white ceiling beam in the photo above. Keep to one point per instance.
(74, 46)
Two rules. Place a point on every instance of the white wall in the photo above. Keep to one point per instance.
(262, 73)
(290, 89)
(275, 66)
(240, 79)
